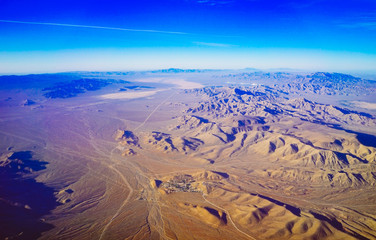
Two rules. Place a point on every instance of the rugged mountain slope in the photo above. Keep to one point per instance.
(210, 163)
(321, 83)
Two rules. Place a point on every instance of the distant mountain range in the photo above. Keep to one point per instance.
(63, 85)
(322, 83)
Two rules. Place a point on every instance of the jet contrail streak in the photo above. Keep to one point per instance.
(96, 27)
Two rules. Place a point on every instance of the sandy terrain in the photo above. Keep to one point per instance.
(178, 162)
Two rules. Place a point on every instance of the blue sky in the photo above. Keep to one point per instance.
(65, 35)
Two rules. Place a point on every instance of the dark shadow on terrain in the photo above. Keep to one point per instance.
(126, 88)
(272, 111)
(223, 174)
(158, 182)
(332, 222)
(296, 211)
(23, 201)
(242, 92)
(292, 209)
(364, 138)
(343, 158)
(75, 87)
(336, 224)
(211, 161)
(216, 214)
(130, 138)
(230, 137)
(347, 111)
(69, 191)
(202, 120)
(22, 162)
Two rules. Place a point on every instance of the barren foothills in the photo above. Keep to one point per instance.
(177, 154)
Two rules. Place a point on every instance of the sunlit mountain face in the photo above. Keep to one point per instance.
(187, 119)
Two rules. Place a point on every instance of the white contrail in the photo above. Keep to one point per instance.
(89, 26)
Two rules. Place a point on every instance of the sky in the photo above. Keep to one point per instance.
(108, 35)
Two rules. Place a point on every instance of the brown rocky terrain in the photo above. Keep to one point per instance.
(226, 162)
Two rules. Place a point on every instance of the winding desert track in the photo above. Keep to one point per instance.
(125, 182)
(153, 201)
(155, 109)
(139, 172)
(229, 217)
(124, 202)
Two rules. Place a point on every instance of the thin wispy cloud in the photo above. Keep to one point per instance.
(93, 27)
(209, 44)
(214, 2)
(368, 17)
(367, 25)
(365, 21)
(304, 4)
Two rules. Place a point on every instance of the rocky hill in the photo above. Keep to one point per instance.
(75, 87)
(262, 101)
(322, 83)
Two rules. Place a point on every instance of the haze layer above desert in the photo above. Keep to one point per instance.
(187, 154)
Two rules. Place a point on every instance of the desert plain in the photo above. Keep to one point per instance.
(187, 154)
